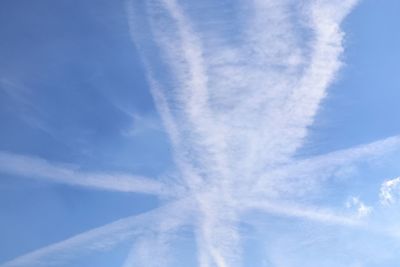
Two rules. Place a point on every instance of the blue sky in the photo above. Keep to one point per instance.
(199, 133)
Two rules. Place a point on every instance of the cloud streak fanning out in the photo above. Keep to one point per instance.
(236, 102)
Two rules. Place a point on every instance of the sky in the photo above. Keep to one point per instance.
(252, 133)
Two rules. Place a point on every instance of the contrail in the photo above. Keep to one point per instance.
(37, 168)
(224, 104)
(102, 238)
(303, 176)
(236, 113)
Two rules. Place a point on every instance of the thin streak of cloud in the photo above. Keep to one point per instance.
(293, 210)
(101, 238)
(303, 176)
(37, 168)
(20, 97)
(153, 248)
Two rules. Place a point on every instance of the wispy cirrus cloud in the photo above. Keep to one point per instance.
(240, 103)
(362, 209)
(101, 238)
(389, 191)
(19, 97)
(305, 176)
(236, 113)
(37, 168)
(153, 230)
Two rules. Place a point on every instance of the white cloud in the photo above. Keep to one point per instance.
(37, 168)
(304, 176)
(362, 210)
(389, 191)
(141, 125)
(316, 214)
(104, 237)
(236, 114)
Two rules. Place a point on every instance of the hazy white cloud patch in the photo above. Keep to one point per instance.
(141, 125)
(390, 191)
(360, 207)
